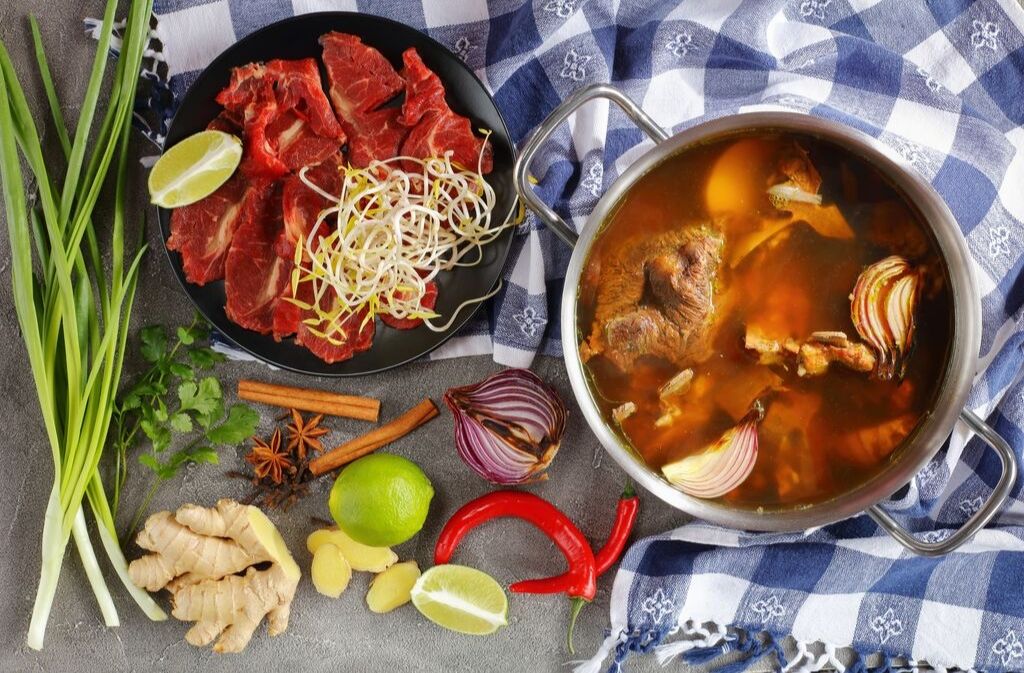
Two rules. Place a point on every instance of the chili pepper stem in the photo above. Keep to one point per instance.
(574, 612)
(628, 491)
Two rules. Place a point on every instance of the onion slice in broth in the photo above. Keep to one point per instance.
(723, 465)
(882, 308)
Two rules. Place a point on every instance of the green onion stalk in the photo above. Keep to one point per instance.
(72, 307)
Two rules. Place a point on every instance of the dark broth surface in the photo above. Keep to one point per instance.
(821, 435)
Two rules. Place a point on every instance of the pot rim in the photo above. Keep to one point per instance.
(957, 375)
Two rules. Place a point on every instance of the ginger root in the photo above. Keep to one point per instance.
(330, 570)
(393, 587)
(359, 556)
(197, 553)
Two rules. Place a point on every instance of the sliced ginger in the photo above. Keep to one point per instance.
(393, 587)
(197, 553)
(330, 570)
(360, 556)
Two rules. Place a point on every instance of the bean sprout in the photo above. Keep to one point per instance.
(387, 235)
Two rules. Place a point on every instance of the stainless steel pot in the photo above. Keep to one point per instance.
(933, 430)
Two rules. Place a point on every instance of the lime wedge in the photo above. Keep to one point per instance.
(462, 599)
(194, 168)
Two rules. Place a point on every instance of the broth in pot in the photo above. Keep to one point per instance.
(765, 319)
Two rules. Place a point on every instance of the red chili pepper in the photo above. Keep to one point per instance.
(582, 573)
(625, 517)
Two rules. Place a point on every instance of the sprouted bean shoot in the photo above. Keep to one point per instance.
(390, 233)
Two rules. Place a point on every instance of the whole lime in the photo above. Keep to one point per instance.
(381, 499)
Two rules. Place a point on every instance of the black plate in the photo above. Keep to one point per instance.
(297, 38)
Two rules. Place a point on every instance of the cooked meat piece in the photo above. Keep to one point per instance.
(769, 351)
(682, 280)
(816, 356)
(891, 226)
(796, 165)
(642, 331)
(656, 299)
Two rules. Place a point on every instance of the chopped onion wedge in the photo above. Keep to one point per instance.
(677, 385)
(882, 308)
(784, 192)
(723, 465)
(623, 411)
(508, 427)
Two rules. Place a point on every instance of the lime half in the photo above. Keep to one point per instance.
(194, 168)
(462, 599)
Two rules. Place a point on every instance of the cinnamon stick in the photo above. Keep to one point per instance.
(305, 399)
(373, 440)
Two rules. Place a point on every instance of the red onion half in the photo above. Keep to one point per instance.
(508, 426)
(882, 308)
(723, 465)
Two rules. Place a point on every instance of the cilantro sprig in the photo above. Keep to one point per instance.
(177, 408)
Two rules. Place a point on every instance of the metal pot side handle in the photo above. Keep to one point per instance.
(544, 131)
(980, 518)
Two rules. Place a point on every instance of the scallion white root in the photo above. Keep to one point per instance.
(92, 570)
(73, 301)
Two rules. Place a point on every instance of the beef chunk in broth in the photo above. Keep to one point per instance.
(657, 300)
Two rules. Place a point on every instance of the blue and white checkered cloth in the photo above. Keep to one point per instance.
(943, 84)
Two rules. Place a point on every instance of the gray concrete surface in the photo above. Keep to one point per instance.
(324, 634)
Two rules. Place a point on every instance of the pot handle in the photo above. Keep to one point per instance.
(980, 518)
(544, 131)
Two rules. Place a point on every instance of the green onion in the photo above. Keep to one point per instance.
(73, 310)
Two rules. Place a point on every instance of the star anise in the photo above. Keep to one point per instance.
(304, 436)
(268, 459)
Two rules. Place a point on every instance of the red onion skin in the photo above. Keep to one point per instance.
(508, 426)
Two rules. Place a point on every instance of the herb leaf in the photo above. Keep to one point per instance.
(202, 398)
(173, 405)
(154, 342)
(239, 425)
(186, 336)
(206, 421)
(169, 468)
(200, 454)
(204, 358)
(158, 434)
(181, 422)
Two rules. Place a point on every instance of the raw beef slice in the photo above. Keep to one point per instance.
(361, 79)
(287, 119)
(255, 276)
(437, 128)
(202, 232)
(302, 205)
(354, 336)
(375, 135)
(424, 91)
